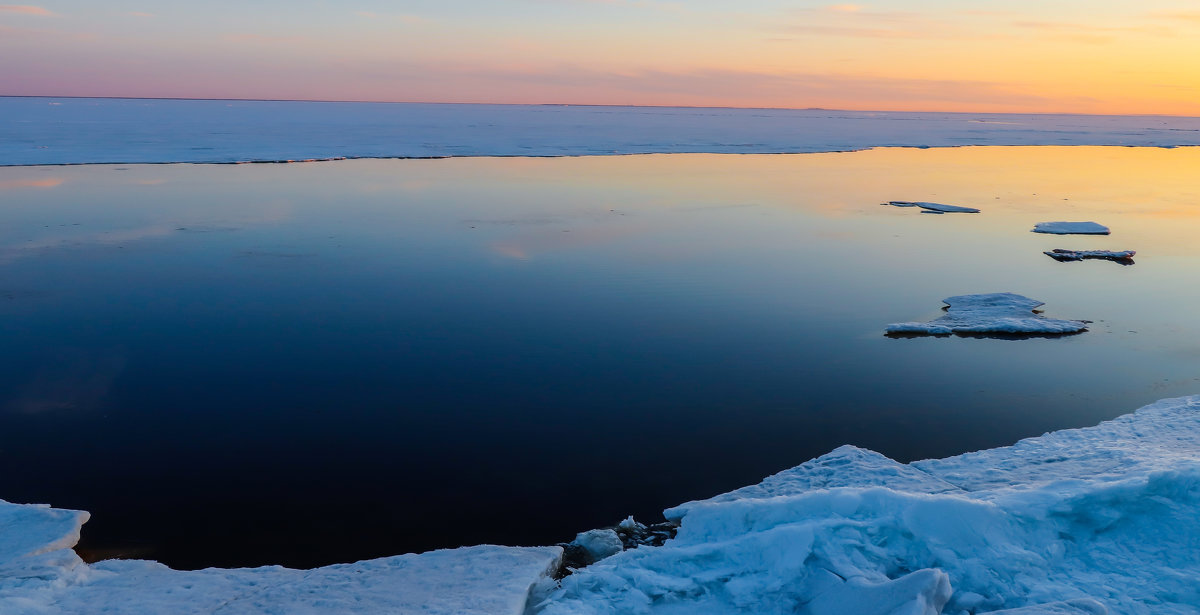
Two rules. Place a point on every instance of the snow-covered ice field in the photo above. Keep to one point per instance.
(90, 130)
(1087, 521)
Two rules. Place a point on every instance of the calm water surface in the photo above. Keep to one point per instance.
(321, 362)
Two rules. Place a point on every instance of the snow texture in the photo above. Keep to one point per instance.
(40, 574)
(1125, 256)
(82, 130)
(1077, 522)
(1089, 521)
(939, 208)
(993, 313)
(1071, 228)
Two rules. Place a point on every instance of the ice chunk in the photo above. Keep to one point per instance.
(599, 544)
(1071, 228)
(992, 313)
(935, 207)
(629, 524)
(1125, 257)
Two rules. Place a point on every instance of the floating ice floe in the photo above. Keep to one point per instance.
(1071, 228)
(992, 313)
(934, 208)
(1076, 522)
(1125, 257)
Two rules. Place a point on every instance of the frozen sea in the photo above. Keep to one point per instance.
(91, 130)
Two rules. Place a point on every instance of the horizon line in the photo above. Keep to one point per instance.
(609, 105)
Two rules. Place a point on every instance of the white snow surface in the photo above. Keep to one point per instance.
(1071, 228)
(991, 313)
(1089, 521)
(940, 208)
(37, 131)
(40, 574)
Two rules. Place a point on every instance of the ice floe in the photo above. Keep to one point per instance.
(1098, 520)
(992, 313)
(97, 130)
(1071, 228)
(1125, 257)
(937, 208)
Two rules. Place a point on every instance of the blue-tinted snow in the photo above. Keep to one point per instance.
(37, 131)
(1081, 521)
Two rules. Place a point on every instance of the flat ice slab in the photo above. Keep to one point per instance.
(993, 313)
(1125, 257)
(103, 130)
(940, 208)
(1071, 228)
(40, 574)
(1089, 521)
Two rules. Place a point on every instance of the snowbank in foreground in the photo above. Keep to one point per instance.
(1076, 522)
(1087, 521)
(40, 574)
(94, 130)
(990, 313)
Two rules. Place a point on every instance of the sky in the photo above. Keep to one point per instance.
(1042, 56)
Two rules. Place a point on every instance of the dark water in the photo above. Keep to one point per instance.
(312, 363)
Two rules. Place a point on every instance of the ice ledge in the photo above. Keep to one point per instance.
(1089, 521)
(1075, 522)
(39, 575)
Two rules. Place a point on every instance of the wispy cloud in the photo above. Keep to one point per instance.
(1088, 33)
(1192, 16)
(405, 18)
(265, 38)
(26, 9)
(49, 182)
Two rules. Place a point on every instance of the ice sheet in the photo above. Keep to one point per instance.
(91, 130)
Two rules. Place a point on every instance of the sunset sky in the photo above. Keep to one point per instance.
(1080, 56)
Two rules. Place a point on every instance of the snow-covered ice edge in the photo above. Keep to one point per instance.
(49, 131)
(1098, 520)
(1094, 520)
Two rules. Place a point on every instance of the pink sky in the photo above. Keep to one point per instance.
(919, 55)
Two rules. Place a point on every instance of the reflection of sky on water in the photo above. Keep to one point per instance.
(451, 344)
